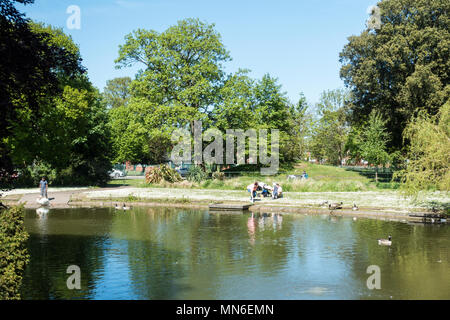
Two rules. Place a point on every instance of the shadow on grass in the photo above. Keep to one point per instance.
(384, 175)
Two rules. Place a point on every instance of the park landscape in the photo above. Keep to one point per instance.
(376, 151)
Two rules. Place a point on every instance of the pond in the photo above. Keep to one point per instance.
(159, 253)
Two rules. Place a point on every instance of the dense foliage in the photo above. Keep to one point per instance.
(13, 252)
(330, 131)
(401, 68)
(428, 164)
(183, 80)
(62, 126)
(30, 68)
(373, 141)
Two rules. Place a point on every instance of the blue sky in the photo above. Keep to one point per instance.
(294, 40)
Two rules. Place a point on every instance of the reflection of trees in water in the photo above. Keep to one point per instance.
(54, 248)
(154, 258)
(154, 270)
(417, 264)
(167, 247)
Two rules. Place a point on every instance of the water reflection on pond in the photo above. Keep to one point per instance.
(155, 253)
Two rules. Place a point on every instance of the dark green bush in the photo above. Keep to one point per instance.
(13, 252)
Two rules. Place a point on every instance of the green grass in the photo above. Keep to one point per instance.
(138, 183)
(133, 199)
(322, 178)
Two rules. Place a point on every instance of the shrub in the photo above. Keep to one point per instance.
(218, 176)
(196, 174)
(13, 252)
(162, 173)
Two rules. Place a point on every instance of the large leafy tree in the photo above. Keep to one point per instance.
(236, 104)
(373, 142)
(182, 80)
(182, 65)
(402, 67)
(295, 145)
(179, 83)
(331, 130)
(117, 92)
(428, 164)
(30, 65)
(71, 134)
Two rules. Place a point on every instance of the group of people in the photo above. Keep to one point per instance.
(266, 191)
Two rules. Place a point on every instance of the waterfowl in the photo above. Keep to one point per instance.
(355, 207)
(43, 201)
(124, 207)
(334, 206)
(385, 242)
(116, 207)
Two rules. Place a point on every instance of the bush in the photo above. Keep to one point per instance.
(196, 174)
(218, 176)
(161, 174)
(31, 175)
(13, 252)
(84, 174)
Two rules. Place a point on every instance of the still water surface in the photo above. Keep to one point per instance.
(156, 253)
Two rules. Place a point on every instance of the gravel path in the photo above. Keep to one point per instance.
(381, 199)
(377, 199)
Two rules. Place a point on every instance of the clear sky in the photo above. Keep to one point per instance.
(296, 41)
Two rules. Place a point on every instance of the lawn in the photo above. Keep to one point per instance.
(322, 178)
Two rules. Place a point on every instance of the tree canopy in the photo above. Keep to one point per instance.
(30, 68)
(183, 80)
(428, 164)
(402, 67)
(331, 129)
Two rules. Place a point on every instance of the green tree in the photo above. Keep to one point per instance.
(235, 105)
(428, 164)
(117, 92)
(30, 68)
(182, 65)
(373, 142)
(402, 67)
(71, 134)
(331, 130)
(181, 80)
(295, 145)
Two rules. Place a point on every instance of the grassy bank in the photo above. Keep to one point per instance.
(321, 179)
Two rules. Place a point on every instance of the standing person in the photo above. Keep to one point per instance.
(43, 184)
(275, 191)
(252, 189)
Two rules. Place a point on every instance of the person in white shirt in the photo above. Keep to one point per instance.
(280, 191)
(277, 191)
